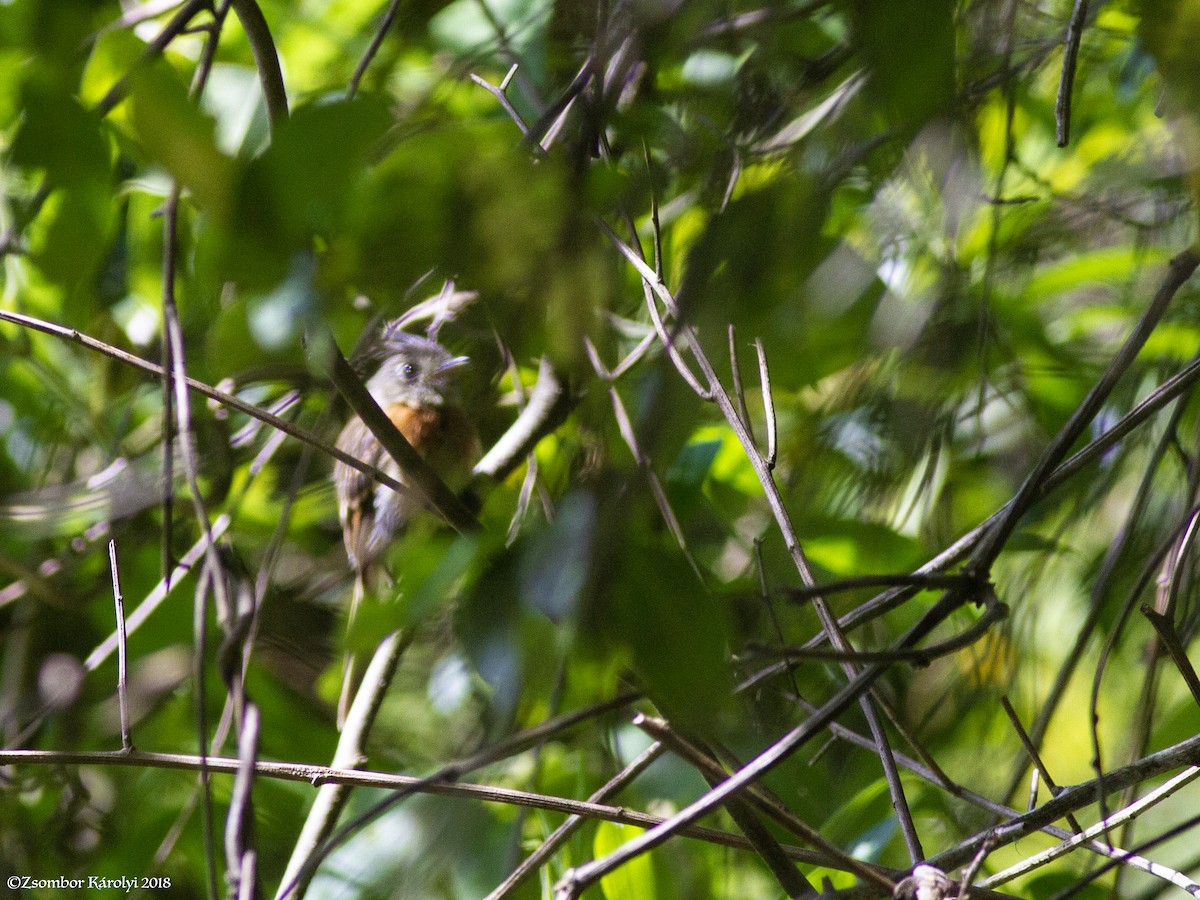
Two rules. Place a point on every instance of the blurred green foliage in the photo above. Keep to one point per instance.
(872, 189)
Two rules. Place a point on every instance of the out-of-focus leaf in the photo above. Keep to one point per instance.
(12, 62)
(277, 318)
(909, 47)
(1170, 29)
(798, 128)
(849, 546)
(636, 877)
(693, 463)
(60, 137)
(752, 266)
(234, 99)
(677, 632)
(68, 241)
(864, 825)
(1053, 884)
(709, 68)
(1106, 266)
(468, 201)
(180, 138)
(1032, 542)
(113, 56)
(317, 156)
(464, 26)
(1173, 342)
(56, 29)
(305, 184)
(555, 568)
(443, 568)
(753, 253)
(64, 147)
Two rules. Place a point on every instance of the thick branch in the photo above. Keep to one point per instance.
(262, 45)
(422, 475)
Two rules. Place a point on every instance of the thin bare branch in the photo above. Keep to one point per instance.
(995, 612)
(385, 25)
(1167, 392)
(175, 27)
(762, 799)
(122, 682)
(1156, 796)
(517, 743)
(1034, 756)
(1165, 629)
(633, 357)
(578, 879)
(239, 831)
(502, 98)
(233, 402)
(764, 381)
(739, 391)
(997, 534)
(563, 832)
(318, 775)
(1066, 83)
(938, 778)
(542, 133)
(159, 593)
(625, 427)
(548, 404)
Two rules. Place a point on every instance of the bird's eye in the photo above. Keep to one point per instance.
(409, 371)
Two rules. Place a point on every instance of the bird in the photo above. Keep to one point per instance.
(416, 385)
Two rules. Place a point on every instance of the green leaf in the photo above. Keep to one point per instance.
(865, 824)
(1105, 266)
(633, 880)
(909, 47)
(305, 184)
(676, 630)
(60, 137)
(555, 567)
(317, 157)
(178, 136)
(693, 463)
(114, 55)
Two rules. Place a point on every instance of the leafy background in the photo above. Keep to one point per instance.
(879, 193)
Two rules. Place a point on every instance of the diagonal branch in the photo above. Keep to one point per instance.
(423, 476)
(262, 45)
(997, 534)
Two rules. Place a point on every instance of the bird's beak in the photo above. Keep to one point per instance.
(453, 363)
